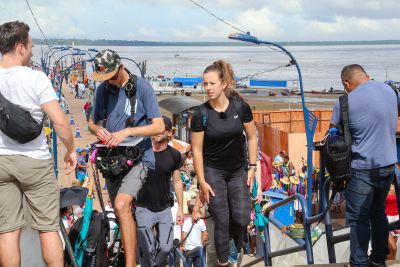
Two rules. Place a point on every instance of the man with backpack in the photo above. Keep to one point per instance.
(153, 206)
(126, 106)
(372, 121)
(26, 168)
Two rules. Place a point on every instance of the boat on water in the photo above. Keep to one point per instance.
(326, 92)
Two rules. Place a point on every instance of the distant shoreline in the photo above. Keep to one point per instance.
(103, 42)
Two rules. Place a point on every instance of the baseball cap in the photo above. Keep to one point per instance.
(78, 150)
(167, 123)
(106, 64)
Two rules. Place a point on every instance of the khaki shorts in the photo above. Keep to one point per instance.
(35, 179)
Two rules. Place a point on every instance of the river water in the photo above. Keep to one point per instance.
(320, 65)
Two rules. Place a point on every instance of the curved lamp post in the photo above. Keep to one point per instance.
(54, 135)
(310, 120)
(141, 67)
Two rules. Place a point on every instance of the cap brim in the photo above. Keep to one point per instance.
(104, 76)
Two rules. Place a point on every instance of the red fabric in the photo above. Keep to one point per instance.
(266, 171)
(391, 205)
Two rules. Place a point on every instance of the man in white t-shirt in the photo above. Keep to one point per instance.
(27, 169)
(195, 235)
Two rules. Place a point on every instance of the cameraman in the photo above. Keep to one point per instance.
(126, 106)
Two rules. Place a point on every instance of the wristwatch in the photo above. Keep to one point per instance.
(253, 166)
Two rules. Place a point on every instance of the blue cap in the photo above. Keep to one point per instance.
(78, 150)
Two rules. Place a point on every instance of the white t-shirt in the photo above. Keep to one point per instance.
(28, 89)
(194, 238)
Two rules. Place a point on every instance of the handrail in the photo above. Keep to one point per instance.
(307, 246)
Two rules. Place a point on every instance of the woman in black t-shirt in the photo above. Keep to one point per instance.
(219, 159)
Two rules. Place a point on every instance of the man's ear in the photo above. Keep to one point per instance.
(19, 48)
(346, 85)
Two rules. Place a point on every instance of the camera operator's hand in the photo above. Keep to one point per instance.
(117, 137)
(103, 135)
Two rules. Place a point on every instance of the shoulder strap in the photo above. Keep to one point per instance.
(397, 99)
(132, 95)
(204, 115)
(238, 107)
(344, 108)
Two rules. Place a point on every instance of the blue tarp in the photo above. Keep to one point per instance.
(188, 81)
(268, 83)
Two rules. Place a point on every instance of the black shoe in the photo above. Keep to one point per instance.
(371, 263)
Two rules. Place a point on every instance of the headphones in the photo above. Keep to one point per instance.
(130, 86)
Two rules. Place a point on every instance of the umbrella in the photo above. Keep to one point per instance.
(81, 241)
(179, 145)
(72, 196)
(260, 221)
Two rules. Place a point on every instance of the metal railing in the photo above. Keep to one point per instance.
(307, 245)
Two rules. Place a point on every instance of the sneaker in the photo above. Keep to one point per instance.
(233, 254)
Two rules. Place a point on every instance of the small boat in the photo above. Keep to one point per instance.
(271, 93)
(285, 92)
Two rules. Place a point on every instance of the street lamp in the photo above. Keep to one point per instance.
(141, 66)
(310, 120)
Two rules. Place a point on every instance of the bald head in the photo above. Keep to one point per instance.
(352, 76)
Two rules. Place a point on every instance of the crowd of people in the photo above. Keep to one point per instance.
(221, 168)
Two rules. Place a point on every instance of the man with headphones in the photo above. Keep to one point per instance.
(124, 106)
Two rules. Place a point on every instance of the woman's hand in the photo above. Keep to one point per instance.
(250, 178)
(258, 198)
(206, 190)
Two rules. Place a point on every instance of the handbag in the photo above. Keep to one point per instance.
(17, 123)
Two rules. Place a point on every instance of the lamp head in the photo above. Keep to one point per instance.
(245, 37)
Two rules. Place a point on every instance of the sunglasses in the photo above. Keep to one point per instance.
(113, 78)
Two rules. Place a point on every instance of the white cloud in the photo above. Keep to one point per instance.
(146, 32)
(278, 20)
(180, 34)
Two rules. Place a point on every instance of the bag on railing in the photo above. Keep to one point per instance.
(115, 163)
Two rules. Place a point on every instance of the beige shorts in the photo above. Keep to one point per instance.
(35, 179)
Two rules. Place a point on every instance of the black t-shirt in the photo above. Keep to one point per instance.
(223, 138)
(154, 194)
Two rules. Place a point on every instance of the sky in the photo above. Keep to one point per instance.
(181, 20)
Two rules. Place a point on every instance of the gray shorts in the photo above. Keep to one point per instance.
(130, 184)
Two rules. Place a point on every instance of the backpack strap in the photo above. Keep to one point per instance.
(237, 104)
(204, 115)
(397, 98)
(344, 108)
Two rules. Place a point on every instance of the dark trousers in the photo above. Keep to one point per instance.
(230, 207)
(195, 257)
(366, 200)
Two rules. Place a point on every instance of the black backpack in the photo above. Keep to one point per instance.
(337, 149)
(18, 123)
(96, 253)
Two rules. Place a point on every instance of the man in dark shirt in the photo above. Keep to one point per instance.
(153, 205)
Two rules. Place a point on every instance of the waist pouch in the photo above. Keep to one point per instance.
(18, 123)
(115, 163)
